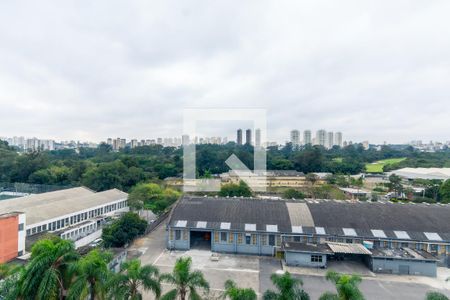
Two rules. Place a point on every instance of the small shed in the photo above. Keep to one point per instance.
(403, 261)
(305, 255)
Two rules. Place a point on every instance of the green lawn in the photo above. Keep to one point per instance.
(377, 167)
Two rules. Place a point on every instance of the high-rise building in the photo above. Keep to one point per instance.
(134, 143)
(239, 137)
(321, 137)
(307, 137)
(295, 138)
(366, 145)
(258, 138)
(338, 139)
(330, 140)
(185, 139)
(248, 137)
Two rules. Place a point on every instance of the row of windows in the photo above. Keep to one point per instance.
(64, 222)
(179, 234)
(80, 231)
(247, 238)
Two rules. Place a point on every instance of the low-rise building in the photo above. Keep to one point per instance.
(76, 214)
(259, 226)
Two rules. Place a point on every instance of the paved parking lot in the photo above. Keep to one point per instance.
(254, 272)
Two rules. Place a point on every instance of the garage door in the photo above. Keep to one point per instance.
(403, 269)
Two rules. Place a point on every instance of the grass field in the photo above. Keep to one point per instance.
(377, 167)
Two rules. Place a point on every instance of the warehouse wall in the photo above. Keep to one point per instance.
(303, 259)
(404, 267)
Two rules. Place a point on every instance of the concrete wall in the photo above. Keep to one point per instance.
(406, 267)
(182, 244)
(303, 260)
(230, 246)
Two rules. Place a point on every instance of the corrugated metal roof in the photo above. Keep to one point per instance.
(348, 248)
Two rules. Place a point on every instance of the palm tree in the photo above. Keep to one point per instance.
(45, 276)
(235, 293)
(289, 288)
(436, 296)
(346, 286)
(133, 278)
(185, 281)
(91, 273)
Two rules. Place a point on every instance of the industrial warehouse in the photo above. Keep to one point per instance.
(76, 214)
(388, 237)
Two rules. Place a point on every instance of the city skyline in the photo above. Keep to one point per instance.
(299, 61)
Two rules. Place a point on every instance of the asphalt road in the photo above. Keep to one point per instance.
(372, 288)
(150, 249)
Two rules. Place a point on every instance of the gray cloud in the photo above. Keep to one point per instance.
(90, 70)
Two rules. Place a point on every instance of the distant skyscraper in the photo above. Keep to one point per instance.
(307, 137)
(239, 137)
(248, 136)
(321, 137)
(258, 138)
(330, 140)
(295, 138)
(185, 139)
(338, 139)
(134, 143)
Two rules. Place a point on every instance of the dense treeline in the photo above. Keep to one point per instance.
(102, 169)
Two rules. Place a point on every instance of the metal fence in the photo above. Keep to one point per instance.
(29, 188)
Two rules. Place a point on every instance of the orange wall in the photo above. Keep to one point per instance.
(9, 235)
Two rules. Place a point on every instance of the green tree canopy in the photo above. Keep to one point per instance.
(436, 296)
(90, 274)
(46, 274)
(289, 288)
(233, 292)
(293, 194)
(444, 191)
(152, 196)
(346, 286)
(123, 230)
(238, 190)
(186, 282)
(133, 279)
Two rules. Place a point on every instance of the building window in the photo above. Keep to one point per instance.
(264, 239)
(254, 242)
(20, 226)
(271, 240)
(296, 238)
(223, 237)
(316, 258)
(177, 235)
(231, 237)
(20, 253)
(216, 237)
(248, 239)
(239, 238)
(185, 235)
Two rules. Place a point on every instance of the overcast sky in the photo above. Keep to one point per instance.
(88, 70)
